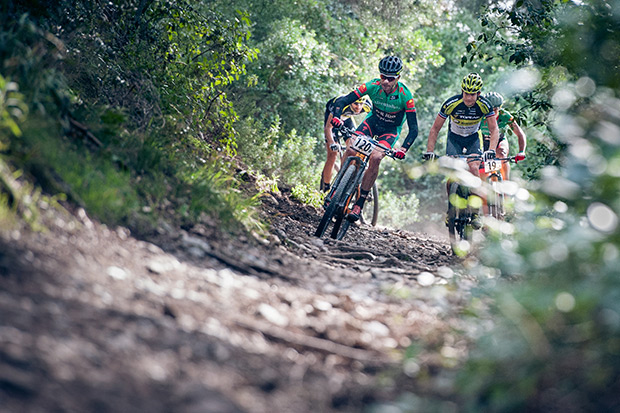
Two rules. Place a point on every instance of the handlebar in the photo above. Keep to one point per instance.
(474, 156)
(347, 133)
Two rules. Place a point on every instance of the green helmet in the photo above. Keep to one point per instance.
(495, 99)
(472, 83)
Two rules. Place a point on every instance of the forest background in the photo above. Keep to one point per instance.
(151, 111)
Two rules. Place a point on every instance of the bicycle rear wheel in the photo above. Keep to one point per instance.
(336, 201)
(495, 196)
(370, 213)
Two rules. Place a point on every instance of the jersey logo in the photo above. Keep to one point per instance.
(393, 97)
(410, 104)
(362, 88)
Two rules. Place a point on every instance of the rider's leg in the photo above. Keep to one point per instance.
(503, 149)
(328, 168)
(372, 170)
(473, 145)
(368, 180)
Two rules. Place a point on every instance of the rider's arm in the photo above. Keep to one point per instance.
(494, 131)
(434, 133)
(327, 130)
(342, 103)
(520, 135)
(412, 123)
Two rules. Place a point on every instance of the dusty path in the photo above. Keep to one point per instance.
(92, 319)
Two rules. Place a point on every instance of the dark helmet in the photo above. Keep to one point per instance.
(472, 83)
(495, 99)
(390, 66)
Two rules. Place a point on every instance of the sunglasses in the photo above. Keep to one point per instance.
(388, 78)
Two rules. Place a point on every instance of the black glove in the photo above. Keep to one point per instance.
(334, 147)
(429, 156)
(488, 156)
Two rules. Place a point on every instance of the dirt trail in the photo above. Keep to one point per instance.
(92, 319)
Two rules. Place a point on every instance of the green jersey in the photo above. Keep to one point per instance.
(503, 120)
(389, 111)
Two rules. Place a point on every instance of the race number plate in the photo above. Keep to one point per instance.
(492, 166)
(363, 145)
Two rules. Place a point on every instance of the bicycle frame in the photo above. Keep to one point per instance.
(346, 185)
(460, 213)
(373, 196)
(494, 201)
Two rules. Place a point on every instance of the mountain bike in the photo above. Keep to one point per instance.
(370, 214)
(345, 189)
(495, 196)
(460, 212)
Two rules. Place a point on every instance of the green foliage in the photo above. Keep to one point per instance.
(212, 190)
(554, 330)
(398, 211)
(285, 157)
(12, 109)
(150, 87)
(293, 77)
(308, 194)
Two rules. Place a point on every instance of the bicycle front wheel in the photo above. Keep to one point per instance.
(453, 229)
(336, 203)
(459, 219)
(339, 232)
(348, 199)
(495, 196)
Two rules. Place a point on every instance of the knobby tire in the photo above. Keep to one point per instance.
(339, 232)
(495, 198)
(452, 214)
(459, 226)
(335, 201)
(373, 204)
(349, 180)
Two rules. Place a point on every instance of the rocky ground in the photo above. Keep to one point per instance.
(192, 320)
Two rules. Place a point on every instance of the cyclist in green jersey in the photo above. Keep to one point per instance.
(392, 105)
(332, 138)
(504, 119)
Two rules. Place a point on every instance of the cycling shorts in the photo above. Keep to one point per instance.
(386, 136)
(486, 141)
(463, 145)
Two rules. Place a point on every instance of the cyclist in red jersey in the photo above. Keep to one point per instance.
(392, 105)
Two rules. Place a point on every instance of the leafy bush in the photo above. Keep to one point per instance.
(554, 319)
(397, 211)
(308, 195)
(147, 87)
(287, 157)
